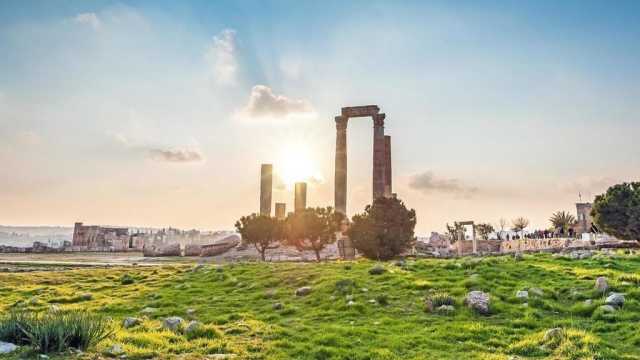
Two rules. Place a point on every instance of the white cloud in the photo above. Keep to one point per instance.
(263, 103)
(184, 154)
(428, 182)
(221, 57)
(90, 19)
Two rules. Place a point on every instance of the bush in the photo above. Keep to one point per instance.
(127, 279)
(437, 299)
(55, 331)
(384, 230)
(377, 270)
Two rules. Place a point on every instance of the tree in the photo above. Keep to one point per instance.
(562, 220)
(313, 229)
(455, 231)
(261, 231)
(503, 223)
(384, 230)
(484, 230)
(617, 212)
(519, 224)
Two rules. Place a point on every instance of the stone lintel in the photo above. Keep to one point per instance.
(360, 111)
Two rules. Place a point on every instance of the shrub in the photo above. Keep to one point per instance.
(127, 279)
(55, 331)
(345, 286)
(206, 331)
(382, 299)
(377, 270)
(437, 299)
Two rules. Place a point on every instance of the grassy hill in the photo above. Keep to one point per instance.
(349, 313)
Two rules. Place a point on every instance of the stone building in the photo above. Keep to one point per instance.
(584, 222)
(94, 237)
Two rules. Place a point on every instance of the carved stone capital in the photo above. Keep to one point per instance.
(341, 123)
(378, 120)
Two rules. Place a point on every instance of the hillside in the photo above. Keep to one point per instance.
(251, 309)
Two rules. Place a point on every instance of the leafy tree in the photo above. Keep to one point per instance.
(313, 229)
(384, 230)
(484, 230)
(519, 224)
(617, 212)
(562, 220)
(261, 231)
(455, 231)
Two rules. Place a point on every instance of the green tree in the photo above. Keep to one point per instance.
(617, 212)
(562, 220)
(519, 224)
(484, 230)
(313, 229)
(384, 230)
(261, 231)
(456, 232)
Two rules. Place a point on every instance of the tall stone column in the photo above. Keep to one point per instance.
(266, 184)
(300, 196)
(378, 156)
(388, 190)
(341, 165)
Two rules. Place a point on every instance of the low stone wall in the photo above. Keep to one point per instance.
(519, 245)
(483, 246)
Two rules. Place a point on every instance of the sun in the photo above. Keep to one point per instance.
(296, 164)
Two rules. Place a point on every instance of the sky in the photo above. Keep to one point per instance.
(159, 113)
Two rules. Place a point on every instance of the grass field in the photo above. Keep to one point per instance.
(349, 313)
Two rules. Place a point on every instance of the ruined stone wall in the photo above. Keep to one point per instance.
(484, 246)
(510, 246)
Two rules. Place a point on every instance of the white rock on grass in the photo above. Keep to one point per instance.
(615, 299)
(6, 348)
(172, 323)
(478, 301)
(148, 311)
(553, 334)
(130, 322)
(522, 294)
(601, 284)
(303, 291)
(446, 309)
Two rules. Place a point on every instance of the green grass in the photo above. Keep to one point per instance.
(351, 314)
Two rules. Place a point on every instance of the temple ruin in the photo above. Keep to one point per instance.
(381, 154)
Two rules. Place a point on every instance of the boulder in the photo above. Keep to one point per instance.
(6, 348)
(130, 322)
(220, 246)
(172, 323)
(148, 311)
(303, 291)
(522, 294)
(114, 350)
(615, 299)
(377, 270)
(86, 297)
(478, 301)
(601, 284)
(278, 306)
(192, 327)
(446, 309)
(162, 250)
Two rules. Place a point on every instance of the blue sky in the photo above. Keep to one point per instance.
(160, 113)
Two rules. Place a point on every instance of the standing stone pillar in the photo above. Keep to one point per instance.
(300, 196)
(341, 165)
(388, 190)
(475, 241)
(378, 157)
(266, 183)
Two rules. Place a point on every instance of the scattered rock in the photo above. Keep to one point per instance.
(478, 301)
(551, 334)
(615, 299)
(377, 270)
(43, 357)
(351, 303)
(114, 350)
(372, 301)
(33, 301)
(518, 256)
(522, 294)
(536, 291)
(130, 322)
(192, 327)
(601, 284)
(607, 308)
(400, 263)
(86, 297)
(148, 311)
(303, 291)
(172, 323)
(6, 348)
(191, 312)
(588, 302)
(446, 309)
(580, 254)
(349, 297)
(364, 290)
(278, 306)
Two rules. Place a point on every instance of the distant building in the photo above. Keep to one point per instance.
(99, 237)
(584, 222)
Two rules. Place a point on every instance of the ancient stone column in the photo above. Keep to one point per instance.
(340, 190)
(387, 169)
(266, 183)
(281, 211)
(378, 156)
(300, 199)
